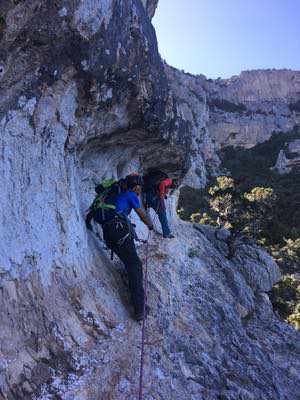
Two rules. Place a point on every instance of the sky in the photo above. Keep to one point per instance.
(221, 38)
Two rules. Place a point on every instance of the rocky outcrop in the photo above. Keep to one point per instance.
(245, 110)
(211, 330)
(258, 87)
(84, 95)
(150, 5)
(286, 164)
(282, 163)
(191, 103)
(241, 111)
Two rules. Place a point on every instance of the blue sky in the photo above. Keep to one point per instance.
(224, 37)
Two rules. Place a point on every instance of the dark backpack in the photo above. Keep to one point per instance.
(153, 179)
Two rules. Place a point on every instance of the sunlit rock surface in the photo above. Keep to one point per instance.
(245, 110)
(241, 111)
(84, 95)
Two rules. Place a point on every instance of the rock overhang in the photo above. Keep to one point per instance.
(115, 65)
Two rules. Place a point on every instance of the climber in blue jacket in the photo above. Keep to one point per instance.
(119, 237)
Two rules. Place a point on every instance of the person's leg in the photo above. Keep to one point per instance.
(159, 207)
(128, 255)
(162, 215)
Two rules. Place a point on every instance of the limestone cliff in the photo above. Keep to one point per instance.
(84, 95)
(286, 164)
(247, 109)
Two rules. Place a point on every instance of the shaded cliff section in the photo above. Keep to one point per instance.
(108, 50)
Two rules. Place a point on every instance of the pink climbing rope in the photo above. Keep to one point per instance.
(145, 306)
(144, 321)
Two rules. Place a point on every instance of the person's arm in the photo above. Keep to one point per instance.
(136, 205)
(144, 218)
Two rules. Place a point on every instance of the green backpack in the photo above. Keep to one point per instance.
(106, 190)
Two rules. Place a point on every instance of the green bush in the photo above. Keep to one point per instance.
(244, 214)
(285, 297)
(252, 168)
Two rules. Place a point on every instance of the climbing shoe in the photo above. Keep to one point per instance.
(140, 315)
(170, 236)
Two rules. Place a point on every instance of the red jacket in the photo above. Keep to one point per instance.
(163, 187)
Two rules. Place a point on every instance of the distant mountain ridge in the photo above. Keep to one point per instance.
(268, 101)
(246, 109)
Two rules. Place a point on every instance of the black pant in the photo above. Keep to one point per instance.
(120, 240)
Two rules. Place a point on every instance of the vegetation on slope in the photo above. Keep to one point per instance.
(280, 230)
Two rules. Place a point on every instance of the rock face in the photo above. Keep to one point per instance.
(286, 164)
(84, 95)
(241, 111)
(192, 107)
(246, 109)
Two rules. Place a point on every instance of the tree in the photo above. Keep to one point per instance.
(244, 215)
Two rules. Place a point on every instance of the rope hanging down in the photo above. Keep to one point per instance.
(144, 320)
(145, 308)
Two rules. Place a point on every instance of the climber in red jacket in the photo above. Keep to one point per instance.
(156, 187)
(163, 188)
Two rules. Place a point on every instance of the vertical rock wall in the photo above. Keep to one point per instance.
(83, 96)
